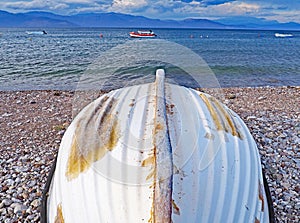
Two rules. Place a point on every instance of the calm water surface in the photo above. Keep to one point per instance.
(58, 60)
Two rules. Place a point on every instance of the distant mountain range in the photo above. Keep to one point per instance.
(258, 23)
(39, 19)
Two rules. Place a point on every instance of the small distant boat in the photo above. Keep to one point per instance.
(142, 34)
(36, 32)
(283, 35)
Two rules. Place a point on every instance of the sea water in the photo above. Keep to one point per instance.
(58, 60)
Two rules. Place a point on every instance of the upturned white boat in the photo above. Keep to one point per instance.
(142, 34)
(157, 152)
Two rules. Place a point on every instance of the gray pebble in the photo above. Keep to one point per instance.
(6, 202)
(30, 217)
(280, 207)
(9, 182)
(36, 203)
(19, 208)
(3, 211)
(32, 183)
(24, 158)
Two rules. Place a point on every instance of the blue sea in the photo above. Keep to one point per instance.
(59, 60)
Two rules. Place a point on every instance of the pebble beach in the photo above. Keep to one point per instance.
(32, 124)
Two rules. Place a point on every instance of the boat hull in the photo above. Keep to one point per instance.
(36, 33)
(282, 35)
(157, 153)
(142, 34)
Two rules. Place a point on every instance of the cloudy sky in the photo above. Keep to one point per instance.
(281, 10)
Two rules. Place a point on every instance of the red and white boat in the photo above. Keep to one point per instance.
(142, 33)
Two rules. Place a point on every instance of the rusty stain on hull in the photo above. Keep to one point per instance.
(158, 127)
(154, 175)
(149, 161)
(89, 145)
(79, 161)
(227, 117)
(176, 209)
(261, 196)
(99, 107)
(212, 112)
(59, 215)
(220, 116)
(151, 219)
(151, 175)
(229, 120)
(170, 109)
(113, 137)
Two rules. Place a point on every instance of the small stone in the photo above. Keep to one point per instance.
(272, 170)
(30, 217)
(286, 185)
(9, 182)
(10, 160)
(19, 208)
(36, 203)
(25, 195)
(19, 190)
(288, 207)
(10, 210)
(32, 183)
(38, 193)
(231, 96)
(251, 117)
(5, 188)
(280, 207)
(297, 206)
(6, 202)
(24, 158)
(10, 191)
(3, 211)
(15, 200)
(13, 205)
(61, 132)
(261, 98)
(284, 203)
(57, 93)
(278, 176)
(36, 218)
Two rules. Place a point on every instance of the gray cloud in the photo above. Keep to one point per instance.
(269, 9)
(208, 2)
(215, 2)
